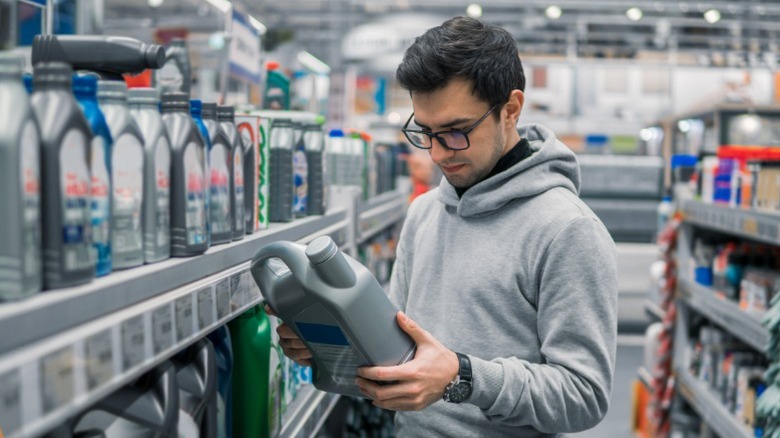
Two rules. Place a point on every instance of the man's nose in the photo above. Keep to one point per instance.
(438, 152)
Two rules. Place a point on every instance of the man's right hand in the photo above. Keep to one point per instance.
(291, 344)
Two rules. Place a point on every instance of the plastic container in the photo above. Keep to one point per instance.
(109, 56)
(314, 139)
(226, 116)
(223, 349)
(127, 176)
(335, 306)
(196, 111)
(300, 173)
(248, 136)
(277, 88)
(65, 179)
(282, 190)
(336, 149)
(144, 107)
(176, 74)
(251, 338)
(21, 272)
(85, 90)
(220, 169)
(188, 175)
(196, 377)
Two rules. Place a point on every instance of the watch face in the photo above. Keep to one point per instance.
(460, 392)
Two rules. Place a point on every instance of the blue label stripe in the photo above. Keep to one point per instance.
(322, 334)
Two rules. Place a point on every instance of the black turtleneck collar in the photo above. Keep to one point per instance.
(518, 153)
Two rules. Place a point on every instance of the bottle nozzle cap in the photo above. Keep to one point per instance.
(321, 249)
(155, 56)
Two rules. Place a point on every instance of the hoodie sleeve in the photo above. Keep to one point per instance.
(577, 325)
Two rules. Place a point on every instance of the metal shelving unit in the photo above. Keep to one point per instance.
(761, 226)
(646, 378)
(654, 311)
(308, 412)
(380, 213)
(706, 403)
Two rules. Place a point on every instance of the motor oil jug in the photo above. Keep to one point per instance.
(196, 111)
(85, 90)
(223, 349)
(248, 136)
(109, 56)
(250, 334)
(314, 142)
(300, 173)
(335, 157)
(127, 175)
(65, 178)
(277, 88)
(335, 306)
(282, 190)
(220, 165)
(196, 376)
(227, 124)
(21, 272)
(176, 74)
(188, 175)
(144, 107)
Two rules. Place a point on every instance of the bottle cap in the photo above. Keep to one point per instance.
(52, 73)
(143, 96)
(175, 101)
(209, 110)
(112, 90)
(321, 249)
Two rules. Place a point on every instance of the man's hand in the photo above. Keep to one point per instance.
(416, 384)
(291, 344)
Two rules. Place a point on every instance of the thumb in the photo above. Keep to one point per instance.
(411, 328)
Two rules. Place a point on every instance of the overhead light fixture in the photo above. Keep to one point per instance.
(394, 118)
(634, 14)
(223, 5)
(684, 126)
(712, 16)
(684, 7)
(474, 10)
(553, 12)
(260, 27)
(155, 3)
(312, 63)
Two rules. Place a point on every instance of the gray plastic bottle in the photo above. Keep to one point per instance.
(335, 306)
(176, 74)
(127, 176)
(65, 178)
(188, 177)
(251, 168)
(282, 185)
(21, 272)
(144, 107)
(226, 116)
(196, 375)
(314, 139)
(220, 169)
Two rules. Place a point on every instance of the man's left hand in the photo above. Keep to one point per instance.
(416, 384)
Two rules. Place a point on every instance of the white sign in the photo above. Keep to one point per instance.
(245, 49)
(393, 34)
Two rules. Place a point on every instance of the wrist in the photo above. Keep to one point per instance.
(460, 388)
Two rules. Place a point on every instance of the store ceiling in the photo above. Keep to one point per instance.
(745, 34)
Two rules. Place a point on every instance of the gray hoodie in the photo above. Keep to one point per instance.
(521, 276)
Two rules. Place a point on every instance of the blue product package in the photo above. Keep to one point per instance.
(196, 110)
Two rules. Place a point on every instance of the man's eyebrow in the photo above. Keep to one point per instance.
(449, 124)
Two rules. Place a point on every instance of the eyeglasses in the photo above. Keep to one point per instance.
(454, 139)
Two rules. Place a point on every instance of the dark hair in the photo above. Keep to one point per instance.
(466, 48)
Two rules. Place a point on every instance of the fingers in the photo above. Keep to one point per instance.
(387, 374)
(404, 396)
(292, 345)
(269, 311)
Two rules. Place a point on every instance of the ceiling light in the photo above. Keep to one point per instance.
(474, 10)
(684, 7)
(223, 5)
(712, 16)
(260, 27)
(553, 12)
(155, 3)
(394, 118)
(634, 14)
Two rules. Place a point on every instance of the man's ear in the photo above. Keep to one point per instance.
(514, 106)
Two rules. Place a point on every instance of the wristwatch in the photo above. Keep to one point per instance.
(459, 390)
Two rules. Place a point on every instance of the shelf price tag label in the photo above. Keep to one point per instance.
(750, 226)
(132, 342)
(162, 328)
(184, 318)
(236, 292)
(99, 359)
(223, 298)
(253, 290)
(205, 308)
(56, 375)
(10, 402)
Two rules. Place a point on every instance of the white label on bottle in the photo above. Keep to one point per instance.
(219, 202)
(132, 342)
(194, 182)
(127, 167)
(184, 319)
(162, 174)
(10, 402)
(100, 202)
(99, 359)
(238, 186)
(205, 308)
(223, 298)
(162, 328)
(31, 195)
(76, 212)
(56, 376)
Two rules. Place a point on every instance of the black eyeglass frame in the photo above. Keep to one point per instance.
(441, 140)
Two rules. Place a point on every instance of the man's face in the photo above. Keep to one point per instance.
(455, 107)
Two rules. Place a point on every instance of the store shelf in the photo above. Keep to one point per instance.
(655, 312)
(705, 402)
(646, 378)
(308, 412)
(379, 213)
(62, 309)
(725, 313)
(761, 226)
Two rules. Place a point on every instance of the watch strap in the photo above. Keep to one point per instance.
(464, 367)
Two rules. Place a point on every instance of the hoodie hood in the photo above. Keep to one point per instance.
(550, 165)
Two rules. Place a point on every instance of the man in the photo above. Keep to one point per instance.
(507, 280)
